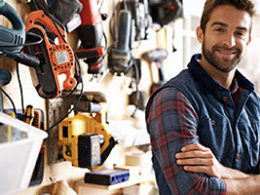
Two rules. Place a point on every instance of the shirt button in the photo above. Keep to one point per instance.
(225, 98)
(238, 156)
(212, 122)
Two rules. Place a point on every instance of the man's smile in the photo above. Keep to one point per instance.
(227, 53)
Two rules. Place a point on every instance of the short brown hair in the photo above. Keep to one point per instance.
(210, 5)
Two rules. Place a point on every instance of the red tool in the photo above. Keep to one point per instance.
(90, 34)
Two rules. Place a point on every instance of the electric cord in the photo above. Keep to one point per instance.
(71, 109)
(137, 80)
(1, 102)
(20, 86)
(76, 104)
(10, 99)
(105, 39)
(25, 44)
(77, 70)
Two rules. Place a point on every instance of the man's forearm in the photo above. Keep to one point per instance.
(200, 159)
(244, 186)
(229, 173)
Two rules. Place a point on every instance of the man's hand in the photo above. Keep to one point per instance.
(200, 159)
(197, 158)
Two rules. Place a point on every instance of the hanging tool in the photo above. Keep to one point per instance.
(55, 59)
(157, 56)
(119, 56)
(140, 15)
(48, 60)
(91, 33)
(13, 40)
(163, 12)
(14, 37)
(66, 11)
(85, 138)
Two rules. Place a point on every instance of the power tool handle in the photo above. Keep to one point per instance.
(160, 70)
(124, 28)
(15, 35)
(25, 59)
(109, 148)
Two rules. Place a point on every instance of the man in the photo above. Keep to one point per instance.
(204, 124)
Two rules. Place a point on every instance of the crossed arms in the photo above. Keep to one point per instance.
(199, 159)
(188, 167)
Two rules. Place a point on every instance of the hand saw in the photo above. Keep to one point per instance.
(55, 58)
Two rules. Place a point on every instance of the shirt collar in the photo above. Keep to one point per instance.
(204, 78)
(234, 87)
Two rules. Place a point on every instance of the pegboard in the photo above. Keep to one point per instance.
(55, 110)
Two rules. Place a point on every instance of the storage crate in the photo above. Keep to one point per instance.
(19, 153)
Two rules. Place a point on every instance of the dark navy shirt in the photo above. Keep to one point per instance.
(194, 108)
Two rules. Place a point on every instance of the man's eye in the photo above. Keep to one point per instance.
(220, 29)
(240, 34)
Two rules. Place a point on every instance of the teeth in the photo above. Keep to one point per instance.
(226, 52)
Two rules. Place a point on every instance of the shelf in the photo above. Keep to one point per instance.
(84, 188)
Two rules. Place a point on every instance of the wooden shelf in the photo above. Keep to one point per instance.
(88, 187)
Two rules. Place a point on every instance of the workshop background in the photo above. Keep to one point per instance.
(120, 61)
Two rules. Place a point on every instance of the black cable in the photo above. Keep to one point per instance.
(78, 101)
(105, 38)
(10, 99)
(73, 108)
(79, 79)
(137, 80)
(77, 70)
(25, 44)
(20, 86)
(115, 21)
(52, 19)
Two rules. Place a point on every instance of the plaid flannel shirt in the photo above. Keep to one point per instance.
(173, 121)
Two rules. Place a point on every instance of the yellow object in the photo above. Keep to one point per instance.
(72, 127)
(9, 130)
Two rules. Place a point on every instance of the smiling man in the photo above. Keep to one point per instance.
(204, 124)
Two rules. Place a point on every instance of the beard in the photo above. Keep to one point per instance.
(224, 65)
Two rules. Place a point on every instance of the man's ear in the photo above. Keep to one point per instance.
(199, 34)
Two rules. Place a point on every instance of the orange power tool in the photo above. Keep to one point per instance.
(55, 55)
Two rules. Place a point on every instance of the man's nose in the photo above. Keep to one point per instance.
(229, 40)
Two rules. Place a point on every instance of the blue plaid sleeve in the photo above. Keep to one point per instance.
(172, 123)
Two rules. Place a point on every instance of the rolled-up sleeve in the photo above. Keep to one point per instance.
(172, 123)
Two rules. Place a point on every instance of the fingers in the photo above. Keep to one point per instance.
(196, 169)
(195, 161)
(195, 146)
(193, 154)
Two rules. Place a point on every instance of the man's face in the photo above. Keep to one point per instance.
(225, 39)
